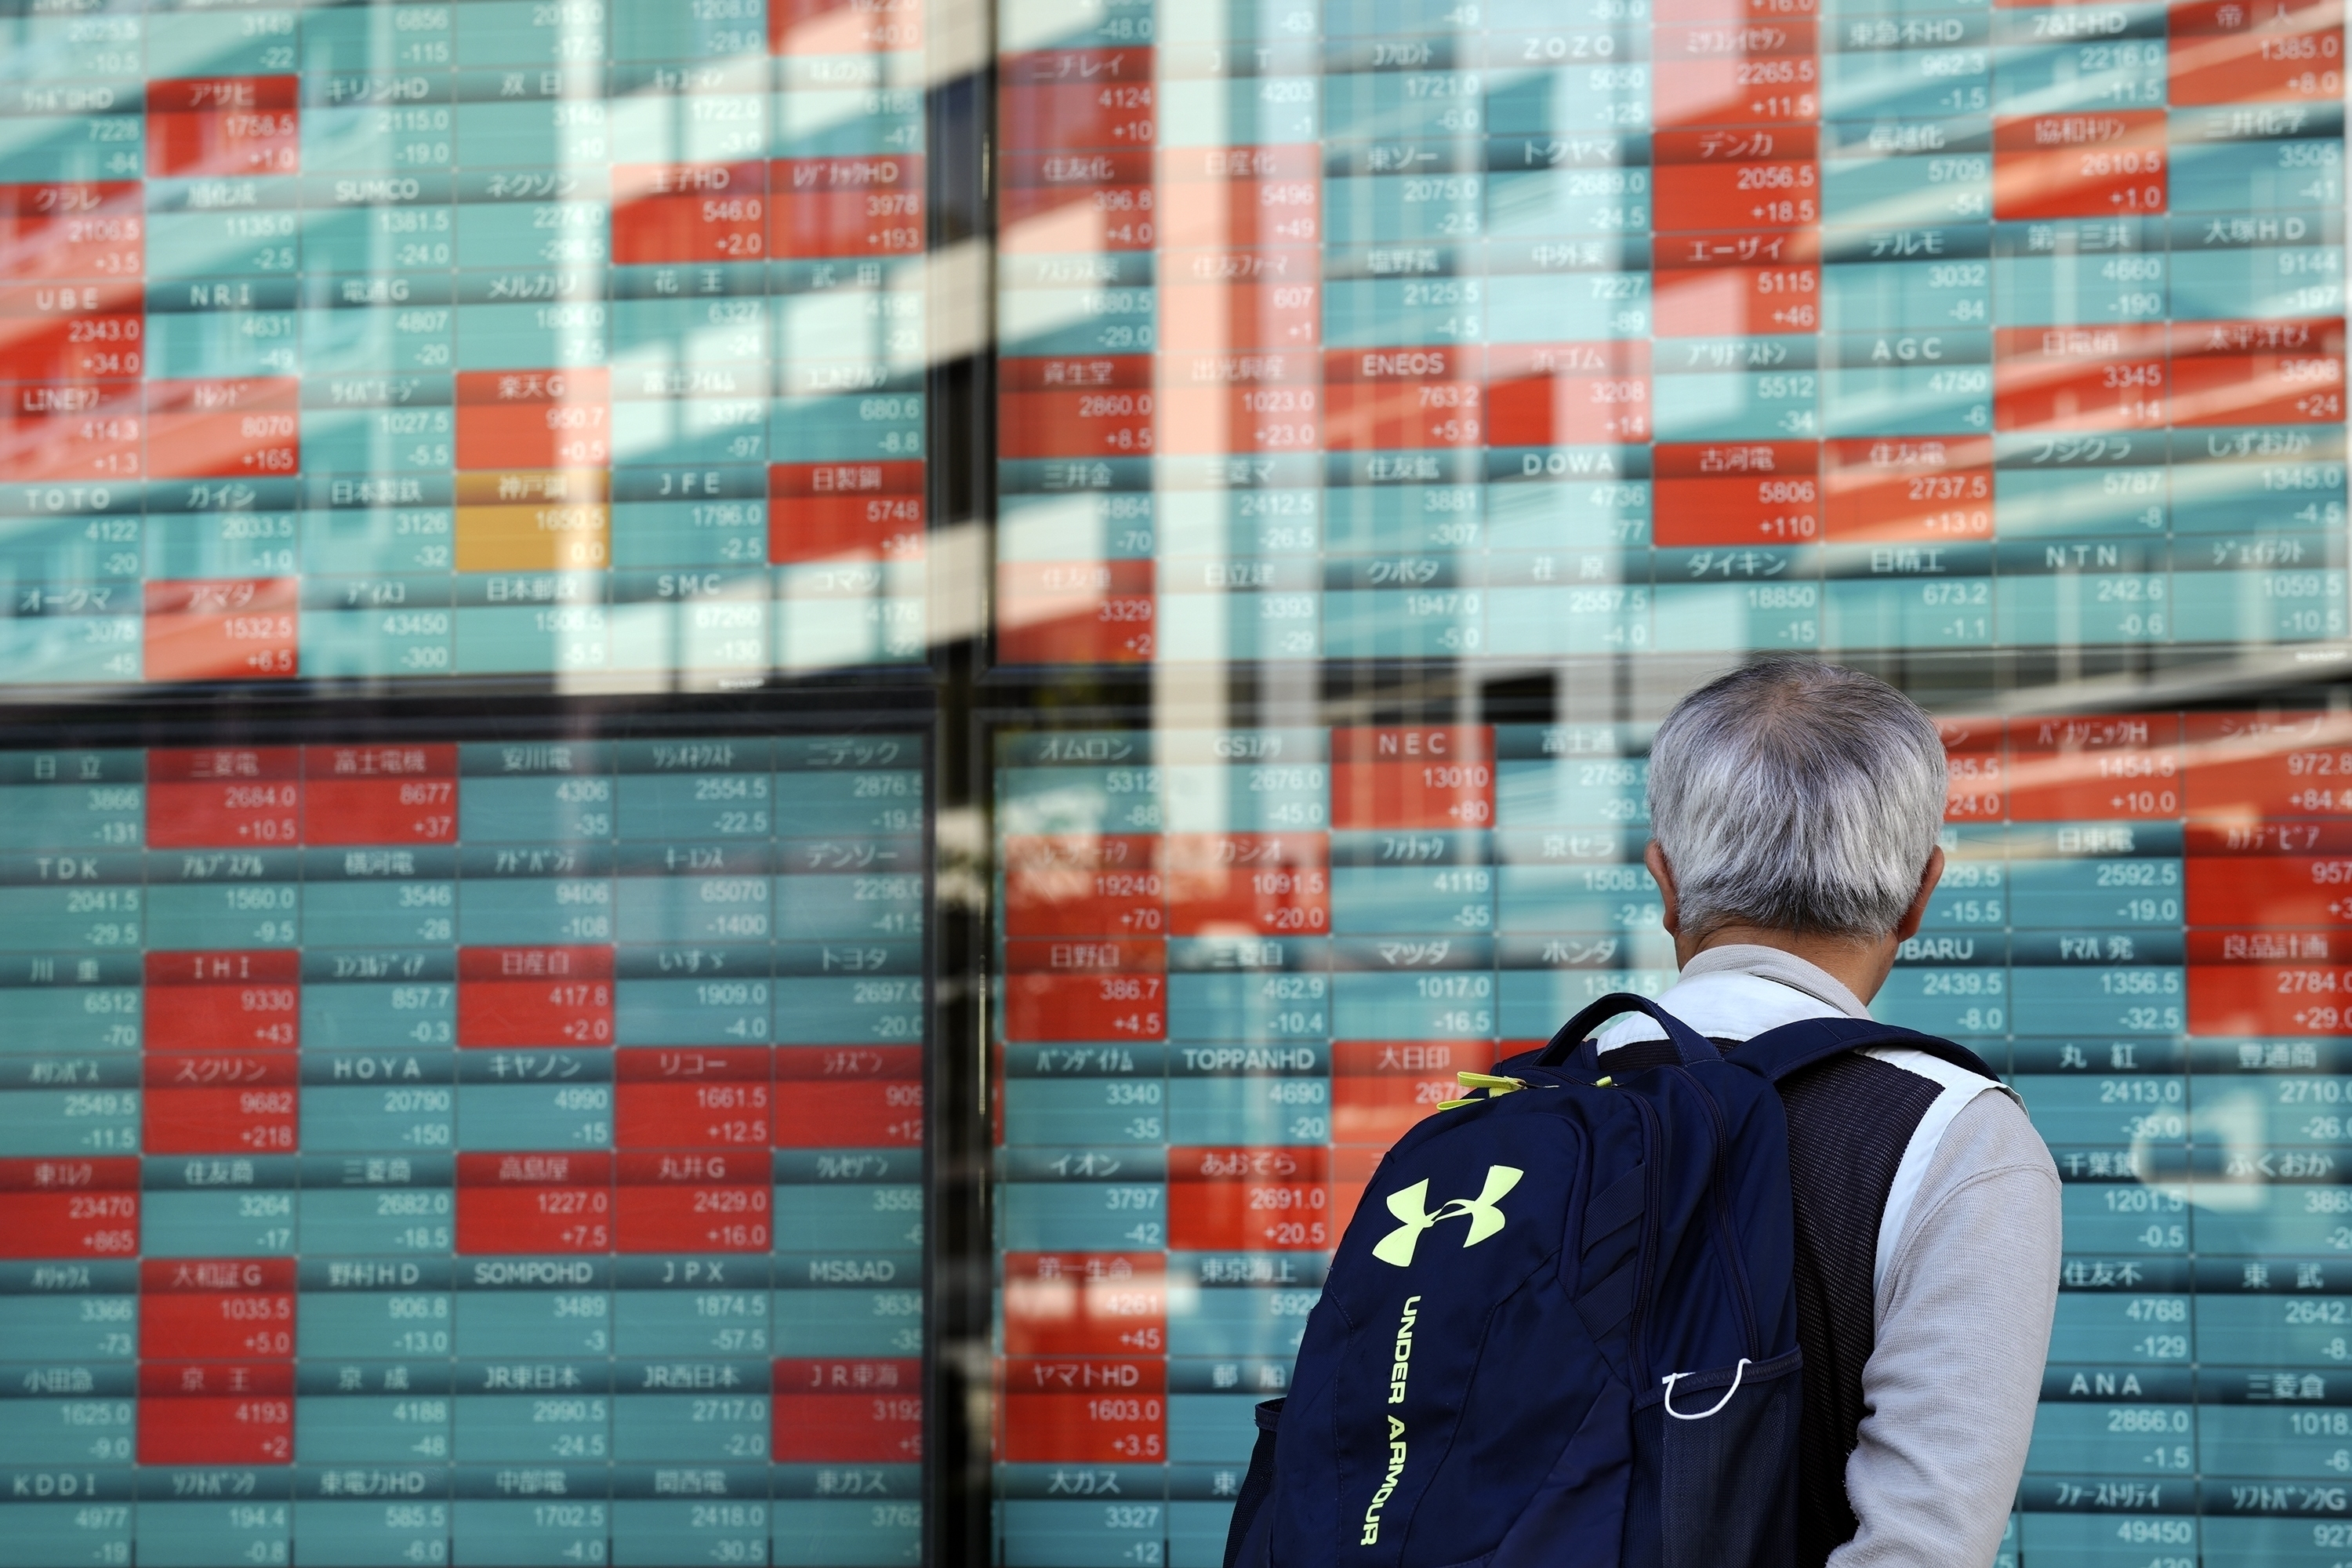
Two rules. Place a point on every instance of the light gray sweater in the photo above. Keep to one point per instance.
(1966, 1280)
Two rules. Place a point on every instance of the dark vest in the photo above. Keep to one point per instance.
(1850, 1119)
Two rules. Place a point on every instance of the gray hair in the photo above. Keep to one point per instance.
(1796, 796)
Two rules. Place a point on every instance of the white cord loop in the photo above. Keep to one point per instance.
(1736, 1374)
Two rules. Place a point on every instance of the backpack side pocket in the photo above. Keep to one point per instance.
(1726, 1441)
(1245, 1538)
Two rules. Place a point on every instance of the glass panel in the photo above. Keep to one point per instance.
(573, 340)
(438, 1149)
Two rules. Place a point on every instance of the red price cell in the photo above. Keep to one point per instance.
(1412, 777)
(534, 419)
(2249, 767)
(224, 427)
(2080, 378)
(223, 126)
(2229, 886)
(230, 1002)
(831, 27)
(1217, 198)
(1274, 883)
(1249, 1200)
(1085, 1006)
(2095, 767)
(849, 1097)
(61, 433)
(1694, 11)
(228, 1309)
(1239, 403)
(1056, 203)
(215, 1413)
(70, 1208)
(76, 229)
(870, 206)
(1088, 885)
(1083, 1412)
(1381, 1089)
(219, 1102)
(535, 997)
(534, 1202)
(51, 332)
(2268, 983)
(2106, 163)
(689, 212)
(1078, 611)
(2258, 373)
(1414, 398)
(1754, 179)
(851, 511)
(1086, 1303)
(380, 794)
(227, 797)
(1095, 408)
(1976, 758)
(708, 1201)
(1554, 394)
(1735, 71)
(695, 1097)
(834, 1412)
(239, 628)
(1072, 99)
(1921, 491)
(1764, 492)
(2225, 52)
(1246, 305)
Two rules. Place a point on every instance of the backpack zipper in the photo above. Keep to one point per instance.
(1653, 1141)
(1721, 1205)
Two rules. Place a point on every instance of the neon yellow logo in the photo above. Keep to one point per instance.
(1411, 1206)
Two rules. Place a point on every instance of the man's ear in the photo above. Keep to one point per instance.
(1908, 926)
(1669, 904)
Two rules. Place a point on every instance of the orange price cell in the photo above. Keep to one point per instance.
(224, 797)
(1407, 777)
(70, 1208)
(1922, 490)
(224, 427)
(533, 519)
(534, 419)
(689, 212)
(2095, 767)
(1084, 1303)
(2101, 164)
(223, 126)
(857, 1412)
(380, 794)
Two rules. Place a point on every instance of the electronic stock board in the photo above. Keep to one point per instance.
(1375, 333)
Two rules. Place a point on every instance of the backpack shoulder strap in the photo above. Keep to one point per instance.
(1776, 1053)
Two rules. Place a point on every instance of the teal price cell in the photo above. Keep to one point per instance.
(844, 1011)
(2264, 282)
(870, 427)
(255, 42)
(1609, 92)
(2213, 175)
(573, 1423)
(1935, 293)
(871, 905)
(378, 138)
(407, 1221)
(2310, 1442)
(89, 1530)
(1910, 192)
(2302, 1216)
(549, 1533)
(99, 1323)
(343, 1534)
(726, 1423)
(2145, 1324)
(674, 909)
(1058, 1112)
(371, 1325)
(690, 429)
(728, 1003)
(1944, 999)
(53, 47)
(1252, 1006)
(364, 440)
(1723, 617)
(2230, 603)
(2108, 1211)
(542, 910)
(2070, 78)
(1905, 399)
(82, 1019)
(561, 808)
(1249, 1109)
(2054, 893)
(1375, 313)
(382, 1429)
(1586, 791)
(1693, 406)
(825, 1533)
(1534, 308)
(654, 1534)
(1538, 512)
(526, 33)
(97, 1428)
(110, 912)
(1424, 105)
(2147, 999)
(568, 330)
(1101, 1216)
(1238, 1322)
(1244, 111)
(679, 1323)
(1909, 84)
(850, 1320)
(822, 120)
(95, 1119)
(536, 233)
(521, 1321)
(708, 535)
(389, 541)
(190, 1223)
(2079, 1108)
(1587, 618)
(712, 30)
(202, 914)
(2080, 289)
(2274, 1329)
(1534, 1003)
(2134, 1430)
(370, 40)
(534, 1116)
(357, 913)
(366, 1003)
(839, 1202)
(1419, 518)
(221, 544)
(2083, 608)
(375, 627)
(89, 546)
(392, 240)
(35, 148)
(1905, 612)
(1451, 1006)
(200, 1534)
(2215, 494)
(81, 646)
(853, 801)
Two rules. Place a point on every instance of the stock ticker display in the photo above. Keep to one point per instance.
(518, 338)
(421, 1153)
(1237, 966)
(1419, 328)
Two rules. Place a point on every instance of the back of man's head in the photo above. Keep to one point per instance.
(1796, 796)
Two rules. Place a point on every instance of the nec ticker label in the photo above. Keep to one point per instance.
(430, 1152)
(1236, 966)
(1494, 328)
(518, 338)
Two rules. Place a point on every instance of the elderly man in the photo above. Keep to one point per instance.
(1796, 808)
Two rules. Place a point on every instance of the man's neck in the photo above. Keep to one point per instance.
(1861, 966)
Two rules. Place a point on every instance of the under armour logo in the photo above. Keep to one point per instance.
(1411, 1206)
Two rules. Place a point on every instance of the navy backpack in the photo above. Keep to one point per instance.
(1561, 1330)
